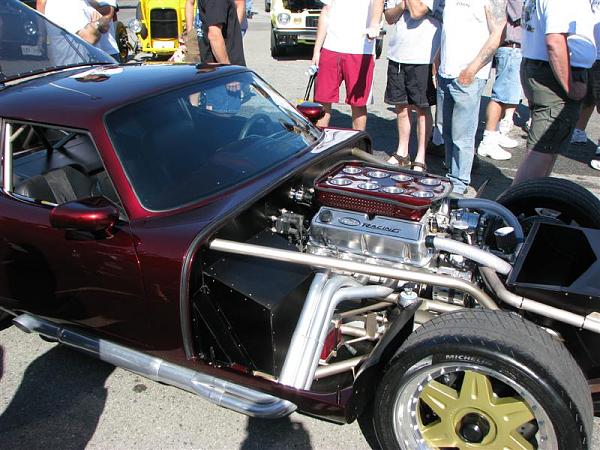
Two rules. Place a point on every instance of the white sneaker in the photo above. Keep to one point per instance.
(579, 136)
(506, 142)
(493, 150)
(505, 126)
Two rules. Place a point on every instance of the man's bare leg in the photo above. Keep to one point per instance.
(324, 121)
(584, 116)
(493, 115)
(403, 123)
(359, 118)
(424, 126)
(535, 165)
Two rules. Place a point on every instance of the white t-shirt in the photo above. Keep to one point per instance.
(464, 33)
(347, 23)
(416, 41)
(541, 17)
(72, 15)
(107, 41)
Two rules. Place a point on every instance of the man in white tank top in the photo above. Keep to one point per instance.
(471, 33)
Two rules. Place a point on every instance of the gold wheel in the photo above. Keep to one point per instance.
(469, 407)
(474, 416)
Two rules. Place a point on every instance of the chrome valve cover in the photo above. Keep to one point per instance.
(395, 240)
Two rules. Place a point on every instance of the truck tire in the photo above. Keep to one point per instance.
(483, 379)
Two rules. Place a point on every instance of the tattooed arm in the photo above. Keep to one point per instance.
(495, 12)
(393, 14)
(417, 9)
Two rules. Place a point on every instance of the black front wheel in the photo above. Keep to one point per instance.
(482, 379)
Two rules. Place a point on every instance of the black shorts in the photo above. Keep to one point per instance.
(593, 93)
(409, 84)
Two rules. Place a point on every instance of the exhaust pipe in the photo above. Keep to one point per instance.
(215, 390)
(590, 322)
(309, 336)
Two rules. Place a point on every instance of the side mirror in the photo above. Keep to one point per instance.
(91, 214)
(311, 110)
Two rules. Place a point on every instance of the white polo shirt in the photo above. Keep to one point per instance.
(347, 23)
(73, 16)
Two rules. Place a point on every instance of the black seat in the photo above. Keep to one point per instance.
(57, 186)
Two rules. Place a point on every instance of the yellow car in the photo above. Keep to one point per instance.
(294, 22)
(158, 25)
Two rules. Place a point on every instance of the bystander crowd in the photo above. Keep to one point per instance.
(410, 87)
(558, 48)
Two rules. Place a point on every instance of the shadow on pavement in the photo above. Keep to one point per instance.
(271, 434)
(58, 404)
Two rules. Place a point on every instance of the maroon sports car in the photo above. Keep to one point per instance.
(189, 224)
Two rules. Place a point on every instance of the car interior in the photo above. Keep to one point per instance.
(54, 166)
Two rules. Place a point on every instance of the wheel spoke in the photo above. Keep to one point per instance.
(476, 390)
(511, 413)
(515, 441)
(439, 434)
(439, 397)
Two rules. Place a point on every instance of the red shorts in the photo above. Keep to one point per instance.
(355, 70)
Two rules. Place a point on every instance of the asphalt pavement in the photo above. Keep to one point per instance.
(52, 397)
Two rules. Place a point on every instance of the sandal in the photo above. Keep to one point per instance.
(422, 167)
(400, 161)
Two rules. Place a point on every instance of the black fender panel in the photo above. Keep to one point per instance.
(370, 372)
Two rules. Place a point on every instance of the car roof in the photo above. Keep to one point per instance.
(79, 98)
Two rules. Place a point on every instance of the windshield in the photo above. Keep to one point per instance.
(30, 44)
(194, 142)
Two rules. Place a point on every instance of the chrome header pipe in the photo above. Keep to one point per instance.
(353, 267)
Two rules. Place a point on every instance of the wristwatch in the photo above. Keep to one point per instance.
(96, 25)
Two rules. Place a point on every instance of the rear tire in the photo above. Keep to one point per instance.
(552, 200)
(488, 376)
(122, 39)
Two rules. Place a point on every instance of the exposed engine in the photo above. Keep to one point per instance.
(373, 242)
(388, 218)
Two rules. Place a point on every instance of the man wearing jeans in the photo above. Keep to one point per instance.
(506, 93)
(471, 33)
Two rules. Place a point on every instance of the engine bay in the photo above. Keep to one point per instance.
(343, 249)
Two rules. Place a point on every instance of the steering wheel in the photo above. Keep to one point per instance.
(260, 117)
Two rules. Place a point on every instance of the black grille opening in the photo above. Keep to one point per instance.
(312, 21)
(163, 24)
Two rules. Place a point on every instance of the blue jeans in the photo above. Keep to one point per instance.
(507, 86)
(460, 112)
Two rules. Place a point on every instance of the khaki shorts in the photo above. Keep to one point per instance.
(553, 114)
